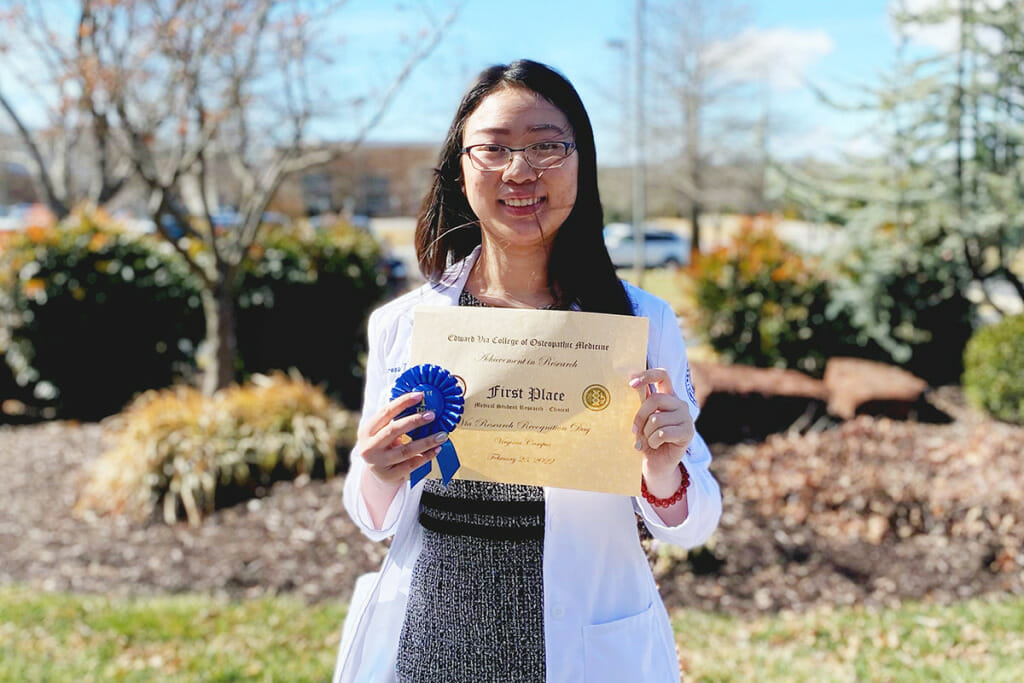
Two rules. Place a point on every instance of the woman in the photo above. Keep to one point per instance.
(499, 582)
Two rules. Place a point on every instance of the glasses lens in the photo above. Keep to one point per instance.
(489, 157)
(546, 154)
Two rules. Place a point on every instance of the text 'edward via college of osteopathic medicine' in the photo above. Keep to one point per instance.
(532, 342)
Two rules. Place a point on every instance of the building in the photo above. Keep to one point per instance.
(376, 179)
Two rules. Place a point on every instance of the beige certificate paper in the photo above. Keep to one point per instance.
(547, 396)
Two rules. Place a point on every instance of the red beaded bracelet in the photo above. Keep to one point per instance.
(674, 498)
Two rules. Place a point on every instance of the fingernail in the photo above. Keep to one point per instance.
(441, 437)
(639, 446)
(634, 428)
(635, 382)
(427, 416)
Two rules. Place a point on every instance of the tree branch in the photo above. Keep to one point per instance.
(56, 203)
(385, 101)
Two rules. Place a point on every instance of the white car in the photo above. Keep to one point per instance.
(661, 247)
(13, 217)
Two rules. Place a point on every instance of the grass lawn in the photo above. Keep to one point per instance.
(979, 640)
(60, 637)
(667, 283)
(663, 282)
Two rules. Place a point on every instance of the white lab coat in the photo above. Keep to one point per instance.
(603, 617)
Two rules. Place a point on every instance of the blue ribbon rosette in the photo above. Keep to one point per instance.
(441, 394)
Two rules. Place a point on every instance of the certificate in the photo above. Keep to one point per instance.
(547, 393)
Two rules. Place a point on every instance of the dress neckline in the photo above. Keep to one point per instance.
(467, 299)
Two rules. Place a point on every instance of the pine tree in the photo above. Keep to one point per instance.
(940, 210)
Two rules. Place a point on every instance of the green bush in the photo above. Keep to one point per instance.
(993, 377)
(904, 293)
(760, 303)
(180, 454)
(15, 400)
(90, 315)
(304, 304)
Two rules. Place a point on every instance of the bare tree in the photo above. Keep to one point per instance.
(176, 94)
(72, 154)
(700, 113)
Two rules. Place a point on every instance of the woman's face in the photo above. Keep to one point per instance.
(519, 206)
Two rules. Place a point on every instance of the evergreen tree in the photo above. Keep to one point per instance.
(941, 208)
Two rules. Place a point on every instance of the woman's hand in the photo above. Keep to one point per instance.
(390, 456)
(663, 429)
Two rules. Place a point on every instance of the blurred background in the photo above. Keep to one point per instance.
(202, 201)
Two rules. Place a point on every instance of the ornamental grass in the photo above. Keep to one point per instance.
(178, 454)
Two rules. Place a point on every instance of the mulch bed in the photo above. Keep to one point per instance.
(874, 511)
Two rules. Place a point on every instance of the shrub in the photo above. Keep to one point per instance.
(760, 303)
(178, 452)
(90, 315)
(304, 303)
(881, 296)
(994, 369)
(904, 292)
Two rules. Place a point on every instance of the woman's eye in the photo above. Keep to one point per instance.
(547, 146)
(491, 148)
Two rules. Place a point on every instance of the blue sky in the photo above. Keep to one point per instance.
(829, 44)
(833, 45)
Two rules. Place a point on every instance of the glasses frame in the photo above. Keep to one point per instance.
(570, 147)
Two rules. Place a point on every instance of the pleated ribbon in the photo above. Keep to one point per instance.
(442, 395)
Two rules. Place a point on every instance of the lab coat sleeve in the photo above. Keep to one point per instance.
(380, 336)
(704, 498)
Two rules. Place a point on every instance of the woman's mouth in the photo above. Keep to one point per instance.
(522, 202)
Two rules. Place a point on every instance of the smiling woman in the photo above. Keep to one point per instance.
(554, 201)
(519, 207)
(491, 581)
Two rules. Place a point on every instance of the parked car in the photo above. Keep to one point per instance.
(11, 217)
(20, 216)
(661, 247)
(223, 220)
(230, 219)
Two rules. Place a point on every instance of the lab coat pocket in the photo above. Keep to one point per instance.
(627, 649)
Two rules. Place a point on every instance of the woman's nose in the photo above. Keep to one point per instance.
(518, 170)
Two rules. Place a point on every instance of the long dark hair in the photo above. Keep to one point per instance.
(579, 268)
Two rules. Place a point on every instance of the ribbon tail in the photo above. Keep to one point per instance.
(447, 462)
(418, 474)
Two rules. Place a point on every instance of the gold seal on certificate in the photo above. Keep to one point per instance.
(547, 399)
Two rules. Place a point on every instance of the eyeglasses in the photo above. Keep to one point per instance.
(540, 155)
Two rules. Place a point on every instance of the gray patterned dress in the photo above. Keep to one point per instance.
(476, 604)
